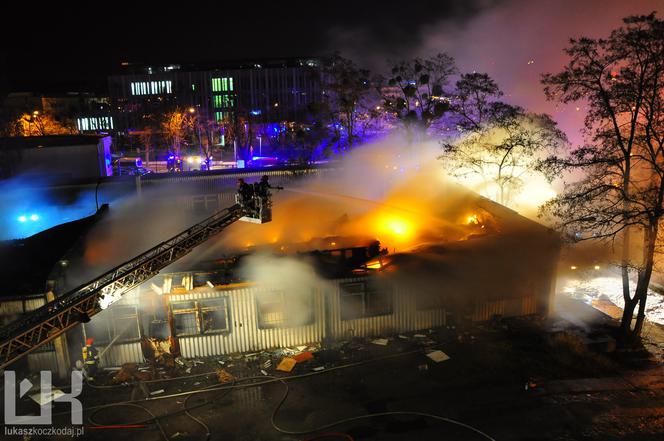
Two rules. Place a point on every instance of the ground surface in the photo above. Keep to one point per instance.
(575, 394)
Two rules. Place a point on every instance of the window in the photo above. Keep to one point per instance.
(94, 123)
(184, 318)
(275, 309)
(221, 116)
(216, 101)
(214, 315)
(364, 299)
(151, 87)
(271, 309)
(125, 322)
(201, 317)
(224, 84)
(119, 320)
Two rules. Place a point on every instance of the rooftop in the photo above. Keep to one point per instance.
(30, 142)
(256, 63)
(25, 264)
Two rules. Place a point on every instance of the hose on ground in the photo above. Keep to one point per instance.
(282, 380)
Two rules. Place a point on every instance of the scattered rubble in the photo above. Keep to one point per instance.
(287, 364)
(380, 341)
(303, 356)
(129, 373)
(224, 376)
(438, 356)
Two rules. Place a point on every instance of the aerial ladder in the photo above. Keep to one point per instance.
(42, 325)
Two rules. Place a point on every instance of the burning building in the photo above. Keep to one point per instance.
(343, 257)
(499, 264)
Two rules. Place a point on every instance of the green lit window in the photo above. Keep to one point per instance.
(230, 81)
(216, 84)
(221, 116)
(216, 101)
(224, 84)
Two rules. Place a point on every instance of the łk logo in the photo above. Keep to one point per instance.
(46, 396)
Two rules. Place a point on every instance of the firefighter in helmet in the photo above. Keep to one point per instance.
(245, 192)
(90, 359)
(262, 188)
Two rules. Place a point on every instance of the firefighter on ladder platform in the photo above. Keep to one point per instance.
(255, 200)
(245, 193)
(262, 188)
(90, 359)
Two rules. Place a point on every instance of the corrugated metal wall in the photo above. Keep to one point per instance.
(404, 317)
(245, 334)
(122, 351)
(43, 358)
(506, 308)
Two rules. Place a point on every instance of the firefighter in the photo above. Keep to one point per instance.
(263, 187)
(245, 191)
(90, 359)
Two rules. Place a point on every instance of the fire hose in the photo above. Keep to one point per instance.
(282, 380)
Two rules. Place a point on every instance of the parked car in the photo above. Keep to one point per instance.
(130, 166)
(263, 161)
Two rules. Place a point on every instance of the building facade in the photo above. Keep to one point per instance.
(69, 157)
(274, 91)
(86, 112)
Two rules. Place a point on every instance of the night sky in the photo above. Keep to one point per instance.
(61, 48)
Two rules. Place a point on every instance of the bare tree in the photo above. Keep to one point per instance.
(346, 88)
(177, 125)
(503, 147)
(621, 191)
(146, 138)
(40, 124)
(415, 93)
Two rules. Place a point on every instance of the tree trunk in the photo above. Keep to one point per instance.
(630, 303)
(641, 295)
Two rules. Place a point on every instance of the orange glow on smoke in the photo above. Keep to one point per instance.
(393, 229)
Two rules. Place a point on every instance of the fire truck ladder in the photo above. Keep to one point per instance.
(41, 326)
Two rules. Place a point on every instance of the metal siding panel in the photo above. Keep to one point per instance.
(121, 353)
(245, 336)
(43, 361)
(404, 317)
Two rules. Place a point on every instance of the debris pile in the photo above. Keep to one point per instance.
(129, 373)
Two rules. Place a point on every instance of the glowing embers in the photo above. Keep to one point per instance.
(475, 221)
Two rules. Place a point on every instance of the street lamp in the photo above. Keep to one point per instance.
(192, 110)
